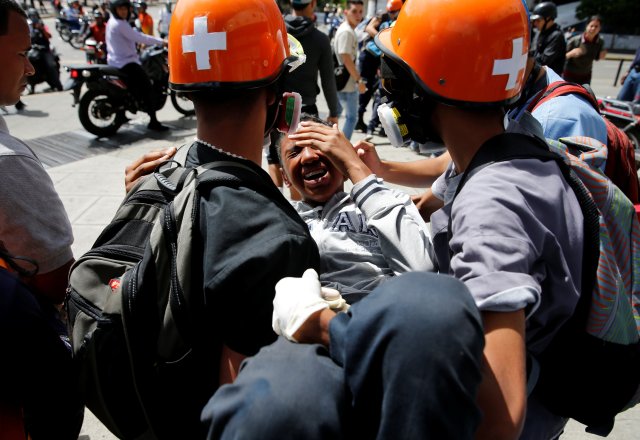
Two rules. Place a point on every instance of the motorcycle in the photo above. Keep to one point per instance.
(79, 35)
(95, 52)
(65, 27)
(621, 113)
(36, 56)
(102, 108)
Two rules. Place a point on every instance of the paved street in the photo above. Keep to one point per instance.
(88, 174)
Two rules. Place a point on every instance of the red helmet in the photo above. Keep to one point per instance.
(464, 52)
(226, 44)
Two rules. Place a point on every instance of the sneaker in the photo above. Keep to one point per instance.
(20, 106)
(361, 126)
(157, 126)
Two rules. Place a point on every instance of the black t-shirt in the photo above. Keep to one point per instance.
(250, 238)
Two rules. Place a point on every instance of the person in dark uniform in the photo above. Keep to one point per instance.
(549, 44)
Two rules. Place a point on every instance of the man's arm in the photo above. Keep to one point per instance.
(417, 174)
(502, 396)
(144, 165)
(315, 329)
(350, 65)
(372, 26)
(602, 52)
(229, 365)
(402, 233)
(141, 38)
(328, 80)
(28, 230)
(575, 48)
(427, 203)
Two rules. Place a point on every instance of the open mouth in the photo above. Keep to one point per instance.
(314, 176)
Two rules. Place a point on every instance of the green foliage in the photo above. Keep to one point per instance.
(619, 16)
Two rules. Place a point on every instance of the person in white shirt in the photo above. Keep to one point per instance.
(121, 40)
(345, 45)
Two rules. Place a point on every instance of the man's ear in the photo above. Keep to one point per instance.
(285, 179)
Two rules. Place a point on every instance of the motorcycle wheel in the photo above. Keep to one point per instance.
(634, 135)
(76, 41)
(98, 115)
(65, 34)
(182, 104)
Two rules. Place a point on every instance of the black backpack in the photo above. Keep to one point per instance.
(133, 316)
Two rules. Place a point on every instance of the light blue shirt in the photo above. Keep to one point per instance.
(121, 43)
(567, 115)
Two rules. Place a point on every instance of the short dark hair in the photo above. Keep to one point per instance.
(354, 2)
(303, 117)
(299, 6)
(6, 6)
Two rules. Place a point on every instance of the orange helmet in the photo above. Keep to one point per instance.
(465, 52)
(226, 44)
(394, 5)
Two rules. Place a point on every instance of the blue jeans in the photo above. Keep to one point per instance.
(404, 363)
(630, 90)
(348, 101)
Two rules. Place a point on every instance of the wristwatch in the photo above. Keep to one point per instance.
(360, 81)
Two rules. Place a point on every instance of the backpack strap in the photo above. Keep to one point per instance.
(561, 88)
(172, 180)
(511, 146)
(181, 154)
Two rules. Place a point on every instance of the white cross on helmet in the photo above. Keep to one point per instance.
(511, 66)
(202, 41)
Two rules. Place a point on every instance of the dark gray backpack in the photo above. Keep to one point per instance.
(132, 312)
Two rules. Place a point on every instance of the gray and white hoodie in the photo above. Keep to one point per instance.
(367, 236)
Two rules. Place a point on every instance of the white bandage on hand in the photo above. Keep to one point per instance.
(334, 299)
(296, 299)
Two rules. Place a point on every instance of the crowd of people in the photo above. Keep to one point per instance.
(439, 327)
(113, 44)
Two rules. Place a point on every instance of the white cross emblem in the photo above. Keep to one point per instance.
(202, 41)
(513, 65)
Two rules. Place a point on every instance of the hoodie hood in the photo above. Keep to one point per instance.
(298, 26)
